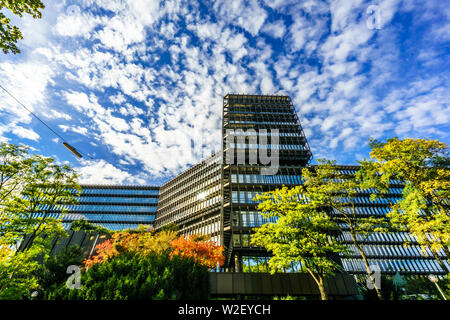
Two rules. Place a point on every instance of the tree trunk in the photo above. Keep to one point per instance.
(319, 280)
(366, 264)
(322, 289)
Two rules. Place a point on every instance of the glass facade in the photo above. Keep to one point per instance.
(193, 200)
(244, 118)
(114, 207)
(216, 198)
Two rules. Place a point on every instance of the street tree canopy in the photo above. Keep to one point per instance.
(9, 34)
(422, 165)
(302, 233)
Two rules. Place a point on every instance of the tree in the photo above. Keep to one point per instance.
(141, 242)
(132, 276)
(36, 212)
(330, 188)
(144, 243)
(423, 211)
(14, 169)
(16, 273)
(10, 34)
(205, 252)
(32, 190)
(52, 274)
(302, 233)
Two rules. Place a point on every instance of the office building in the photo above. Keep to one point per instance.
(215, 197)
(114, 207)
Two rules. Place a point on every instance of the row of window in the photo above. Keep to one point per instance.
(266, 179)
(364, 211)
(393, 265)
(282, 123)
(119, 191)
(134, 218)
(250, 219)
(267, 146)
(353, 171)
(243, 196)
(399, 237)
(252, 132)
(393, 251)
(194, 178)
(199, 206)
(367, 200)
(260, 264)
(245, 111)
(110, 208)
(146, 200)
(193, 194)
(205, 229)
(190, 211)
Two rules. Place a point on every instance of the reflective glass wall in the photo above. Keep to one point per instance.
(114, 207)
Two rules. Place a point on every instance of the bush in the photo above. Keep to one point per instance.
(133, 276)
(53, 273)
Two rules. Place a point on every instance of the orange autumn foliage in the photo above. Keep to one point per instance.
(205, 252)
(104, 251)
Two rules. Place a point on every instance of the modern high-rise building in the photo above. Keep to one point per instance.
(273, 120)
(114, 207)
(264, 148)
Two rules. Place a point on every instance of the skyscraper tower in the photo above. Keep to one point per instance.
(264, 147)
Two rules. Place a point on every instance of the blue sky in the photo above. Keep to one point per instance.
(134, 83)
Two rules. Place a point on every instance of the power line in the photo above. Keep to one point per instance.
(67, 145)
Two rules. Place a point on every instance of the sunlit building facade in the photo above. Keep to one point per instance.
(193, 200)
(385, 250)
(216, 196)
(263, 147)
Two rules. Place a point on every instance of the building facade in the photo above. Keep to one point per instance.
(114, 207)
(263, 148)
(385, 250)
(216, 196)
(193, 200)
(274, 121)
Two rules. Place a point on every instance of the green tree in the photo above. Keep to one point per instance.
(84, 225)
(303, 233)
(53, 273)
(33, 191)
(16, 273)
(423, 211)
(48, 189)
(339, 192)
(9, 34)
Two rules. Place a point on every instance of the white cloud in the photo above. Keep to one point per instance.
(275, 30)
(25, 133)
(245, 13)
(78, 24)
(101, 172)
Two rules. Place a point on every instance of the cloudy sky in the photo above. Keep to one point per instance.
(133, 84)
